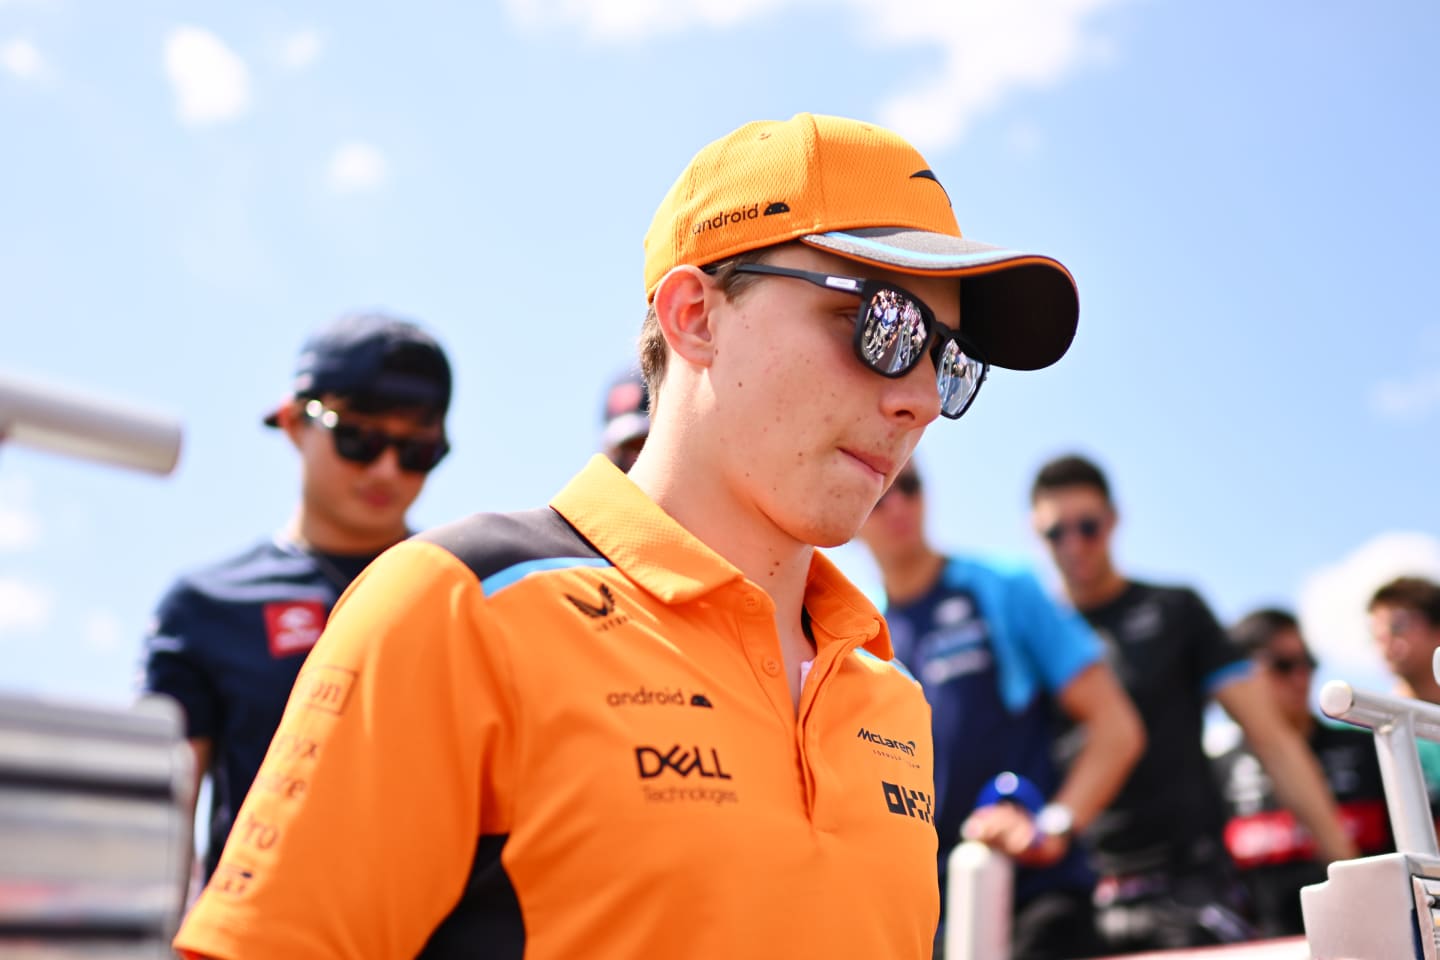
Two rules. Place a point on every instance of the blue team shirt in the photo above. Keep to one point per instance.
(991, 650)
(227, 642)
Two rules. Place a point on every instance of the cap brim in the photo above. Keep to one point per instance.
(627, 426)
(1020, 308)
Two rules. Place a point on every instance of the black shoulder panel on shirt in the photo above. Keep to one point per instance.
(487, 921)
(489, 543)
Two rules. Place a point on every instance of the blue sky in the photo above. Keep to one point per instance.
(1245, 193)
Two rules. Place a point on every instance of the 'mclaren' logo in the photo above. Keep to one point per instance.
(930, 175)
(906, 747)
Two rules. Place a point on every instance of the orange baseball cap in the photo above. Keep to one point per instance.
(864, 193)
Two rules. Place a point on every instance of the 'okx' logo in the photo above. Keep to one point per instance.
(651, 762)
(907, 802)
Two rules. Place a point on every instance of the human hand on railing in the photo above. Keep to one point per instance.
(1010, 829)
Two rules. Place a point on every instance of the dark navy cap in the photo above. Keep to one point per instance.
(380, 357)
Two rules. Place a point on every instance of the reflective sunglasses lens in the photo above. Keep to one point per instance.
(957, 377)
(357, 444)
(892, 333)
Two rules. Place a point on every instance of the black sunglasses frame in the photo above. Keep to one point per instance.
(365, 445)
(1288, 665)
(1088, 528)
(936, 333)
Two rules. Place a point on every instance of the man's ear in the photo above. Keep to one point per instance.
(682, 306)
(289, 420)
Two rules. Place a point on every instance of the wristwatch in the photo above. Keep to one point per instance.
(1055, 820)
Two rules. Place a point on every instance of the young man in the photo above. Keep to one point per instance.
(1000, 663)
(1166, 880)
(1405, 625)
(626, 419)
(366, 416)
(631, 719)
(1275, 855)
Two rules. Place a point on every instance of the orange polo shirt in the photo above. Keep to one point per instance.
(567, 733)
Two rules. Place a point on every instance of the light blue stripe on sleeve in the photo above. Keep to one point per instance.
(496, 582)
(1226, 674)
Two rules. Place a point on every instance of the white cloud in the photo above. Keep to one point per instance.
(211, 83)
(101, 633)
(357, 166)
(1333, 600)
(20, 58)
(24, 605)
(989, 49)
(301, 48)
(19, 528)
(20, 525)
(1411, 399)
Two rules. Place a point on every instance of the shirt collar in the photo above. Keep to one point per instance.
(651, 549)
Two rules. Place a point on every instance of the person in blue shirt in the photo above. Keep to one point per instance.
(1001, 664)
(366, 414)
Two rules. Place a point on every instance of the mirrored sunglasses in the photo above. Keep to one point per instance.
(1088, 528)
(364, 445)
(894, 330)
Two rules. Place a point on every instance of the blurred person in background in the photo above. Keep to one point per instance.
(1000, 662)
(366, 416)
(1166, 879)
(1404, 619)
(625, 419)
(1274, 853)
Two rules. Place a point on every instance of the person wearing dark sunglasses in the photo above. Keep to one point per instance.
(652, 714)
(999, 661)
(1166, 880)
(1275, 855)
(366, 415)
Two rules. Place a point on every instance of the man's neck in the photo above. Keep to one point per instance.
(1101, 591)
(910, 576)
(311, 533)
(1419, 688)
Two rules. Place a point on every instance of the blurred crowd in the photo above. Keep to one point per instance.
(1069, 730)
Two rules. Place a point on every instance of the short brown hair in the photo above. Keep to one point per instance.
(1412, 593)
(1071, 470)
(652, 341)
(1253, 632)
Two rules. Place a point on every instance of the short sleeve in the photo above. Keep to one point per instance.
(1217, 661)
(1057, 639)
(388, 768)
(174, 663)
